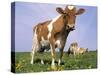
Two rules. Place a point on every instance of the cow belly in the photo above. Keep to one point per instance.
(45, 44)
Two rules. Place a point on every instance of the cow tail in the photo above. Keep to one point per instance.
(34, 39)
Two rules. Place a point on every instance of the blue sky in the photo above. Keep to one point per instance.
(27, 15)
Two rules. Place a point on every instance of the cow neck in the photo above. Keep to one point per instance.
(65, 24)
(60, 26)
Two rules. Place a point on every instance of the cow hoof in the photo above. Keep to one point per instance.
(62, 63)
(53, 68)
(31, 63)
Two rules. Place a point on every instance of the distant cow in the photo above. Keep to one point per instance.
(82, 50)
(75, 50)
(53, 33)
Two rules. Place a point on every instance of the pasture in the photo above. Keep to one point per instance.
(85, 61)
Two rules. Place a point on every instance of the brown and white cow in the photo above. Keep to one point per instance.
(53, 33)
(82, 50)
(75, 50)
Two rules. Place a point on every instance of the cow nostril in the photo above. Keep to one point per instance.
(73, 27)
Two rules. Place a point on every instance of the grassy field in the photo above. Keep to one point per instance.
(85, 61)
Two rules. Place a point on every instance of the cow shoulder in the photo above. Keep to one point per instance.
(45, 23)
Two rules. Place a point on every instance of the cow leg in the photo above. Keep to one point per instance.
(69, 52)
(61, 50)
(74, 53)
(52, 45)
(41, 57)
(41, 53)
(61, 54)
(32, 55)
(53, 55)
(35, 48)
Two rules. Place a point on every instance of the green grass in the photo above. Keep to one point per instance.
(85, 61)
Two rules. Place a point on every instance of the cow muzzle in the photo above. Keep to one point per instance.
(70, 28)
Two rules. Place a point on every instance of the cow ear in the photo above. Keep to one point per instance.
(80, 11)
(60, 10)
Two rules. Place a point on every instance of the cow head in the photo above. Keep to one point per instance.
(74, 44)
(69, 15)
